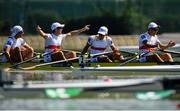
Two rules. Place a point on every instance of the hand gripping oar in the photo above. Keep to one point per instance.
(60, 61)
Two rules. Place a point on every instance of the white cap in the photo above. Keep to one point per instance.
(103, 30)
(55, 25)
(16, 29)
(153, 25)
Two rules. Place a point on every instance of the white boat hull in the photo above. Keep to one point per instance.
(119, 69)
(38, 89)
(30, 89)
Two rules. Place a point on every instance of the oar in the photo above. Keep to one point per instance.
(136, 57)
(103, 53)
(45, 64)
(60, 61)
(154, 95)
(62, 92)
(71, 50)
(170, 51)
(130, 60)
(35, 57)
(128, 52)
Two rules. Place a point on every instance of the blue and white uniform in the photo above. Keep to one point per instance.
(153, 40)
(12, 43)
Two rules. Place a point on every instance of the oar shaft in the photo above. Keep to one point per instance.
(23, 62)
(170, 51)
(128, 52)
(44, 54)
(103, 53)
(60, 61)
(71, 51)
(136, 57)
(130, 60)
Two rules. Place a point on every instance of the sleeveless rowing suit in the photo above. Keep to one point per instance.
(99, 46)
(12, 43)
(52, 43)
(153, 40)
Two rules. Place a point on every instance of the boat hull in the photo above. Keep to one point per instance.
(116, 86)
(120, 69)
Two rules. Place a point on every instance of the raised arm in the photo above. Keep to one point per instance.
(74, 32)
(41, 32)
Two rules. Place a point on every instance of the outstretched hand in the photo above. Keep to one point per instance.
(38, 28)
(87, 27)
(171, 44)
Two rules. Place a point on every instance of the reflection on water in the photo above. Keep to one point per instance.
(84, 103)
(87, 104)
(37, 75)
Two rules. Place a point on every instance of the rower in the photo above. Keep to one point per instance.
(149, 42)
(15, 48)
(99, 43)
(53, 42)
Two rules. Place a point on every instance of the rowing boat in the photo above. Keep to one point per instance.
(119, 69)
(98, 69)
(58, 88)
(64, 66)
(121, 85)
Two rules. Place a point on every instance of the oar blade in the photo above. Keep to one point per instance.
(154, 95)
(27, 68)
(62, 92)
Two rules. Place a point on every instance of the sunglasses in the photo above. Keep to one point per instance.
(60, 28)
(21, 32)
(155, 29)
